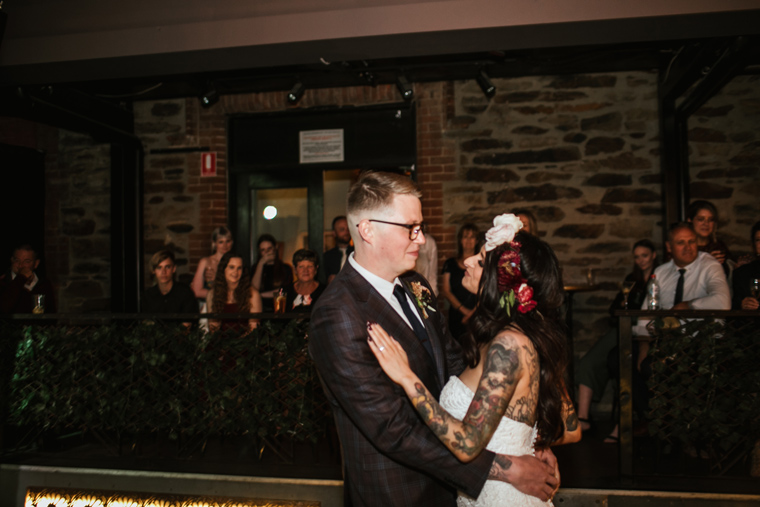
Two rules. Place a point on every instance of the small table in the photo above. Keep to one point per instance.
(570, 290)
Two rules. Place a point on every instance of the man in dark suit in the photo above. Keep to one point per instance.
(390, 456)
(335, 258)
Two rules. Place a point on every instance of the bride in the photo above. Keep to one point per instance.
(512, 397)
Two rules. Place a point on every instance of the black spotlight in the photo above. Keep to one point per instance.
(209, 97)
(485, 84)
(404, 88)
(296, 92)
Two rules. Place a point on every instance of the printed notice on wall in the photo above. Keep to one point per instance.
(321, 146)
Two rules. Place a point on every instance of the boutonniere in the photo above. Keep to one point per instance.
(423, 298)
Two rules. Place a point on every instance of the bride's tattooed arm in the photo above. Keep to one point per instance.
(502, 368)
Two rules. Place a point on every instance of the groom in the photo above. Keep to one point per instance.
(390, 456)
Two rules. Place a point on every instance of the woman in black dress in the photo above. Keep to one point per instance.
(462, 301)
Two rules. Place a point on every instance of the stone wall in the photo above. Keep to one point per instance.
(171, 210)
(724, 158)
(80, 188)
(581, 152)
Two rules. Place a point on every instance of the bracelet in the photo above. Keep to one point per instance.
(459, 307)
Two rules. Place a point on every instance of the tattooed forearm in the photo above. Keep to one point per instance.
(571, 418)
(499, 467)
(502, 369)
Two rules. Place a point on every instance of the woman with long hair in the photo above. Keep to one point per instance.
(232, 292)
(462, 302)
(591, 372)
(221, 243)
(511, 398)
(704, 217)
(270, 274)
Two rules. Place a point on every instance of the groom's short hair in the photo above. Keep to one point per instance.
(375, 190)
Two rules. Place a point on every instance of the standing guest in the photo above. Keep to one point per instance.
(462, 302)
(704, 217)
(591, 373)
(20, 285)
(427, 262)
(530, 224)
(335, 258)
(270, 274)
(744, 276)
(167, 296)
(390, 456)
(304, 292)
(221, 243)
(232, 292)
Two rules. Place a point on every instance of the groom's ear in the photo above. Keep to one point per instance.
(366, 231)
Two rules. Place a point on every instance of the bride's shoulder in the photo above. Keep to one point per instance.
(512, 338)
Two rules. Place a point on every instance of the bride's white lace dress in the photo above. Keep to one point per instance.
(511, 437)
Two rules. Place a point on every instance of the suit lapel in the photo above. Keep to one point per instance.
(433, 335)
(377, 309)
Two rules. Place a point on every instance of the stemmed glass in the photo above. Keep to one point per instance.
(626, 287)
(754, 288)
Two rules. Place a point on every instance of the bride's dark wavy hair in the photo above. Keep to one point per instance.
(543, 325)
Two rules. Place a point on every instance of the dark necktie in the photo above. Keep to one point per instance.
(419, 329)
(679, 288)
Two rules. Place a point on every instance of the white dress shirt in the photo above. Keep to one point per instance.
(704, 287)
(385, 288)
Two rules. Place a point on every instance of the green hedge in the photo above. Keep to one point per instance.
(148, 377)
(705, 386)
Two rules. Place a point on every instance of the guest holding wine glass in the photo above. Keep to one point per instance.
(591, 372)
(270, 274)
(221, 243)
(232, 292)
(747, 277)
(462, 301)
(304, 292)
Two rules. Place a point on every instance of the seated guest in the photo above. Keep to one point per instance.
(530, 224)
(335, 258)
(745, 275)
(691, 280)
(304, 292)
(270, 274)
(232, 292)
(591, 373)
(167, 296)
(221, 243)
(704, 217)
(20, 285)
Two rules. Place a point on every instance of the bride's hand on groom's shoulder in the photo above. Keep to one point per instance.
(533, 476)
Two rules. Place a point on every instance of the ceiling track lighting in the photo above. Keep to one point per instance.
(489, 90)
(209, 97)
(296, 92)
(404, 88)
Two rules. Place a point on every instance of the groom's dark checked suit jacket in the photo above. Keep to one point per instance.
(391, 457)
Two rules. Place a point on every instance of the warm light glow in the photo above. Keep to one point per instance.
(62, 497)
(270, 212)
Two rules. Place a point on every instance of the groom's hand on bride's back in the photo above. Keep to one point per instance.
(529, 474)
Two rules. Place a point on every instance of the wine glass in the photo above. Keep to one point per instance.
(754, 288)
(626, 287)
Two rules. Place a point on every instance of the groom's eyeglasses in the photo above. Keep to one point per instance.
(414, 229)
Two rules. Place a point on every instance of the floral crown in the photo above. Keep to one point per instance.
(512, 285)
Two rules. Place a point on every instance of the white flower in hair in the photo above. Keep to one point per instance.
(503, 231)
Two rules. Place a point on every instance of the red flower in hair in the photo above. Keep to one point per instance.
(513, 287)
(525, 298)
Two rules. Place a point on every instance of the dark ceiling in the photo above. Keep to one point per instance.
(102, 90)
